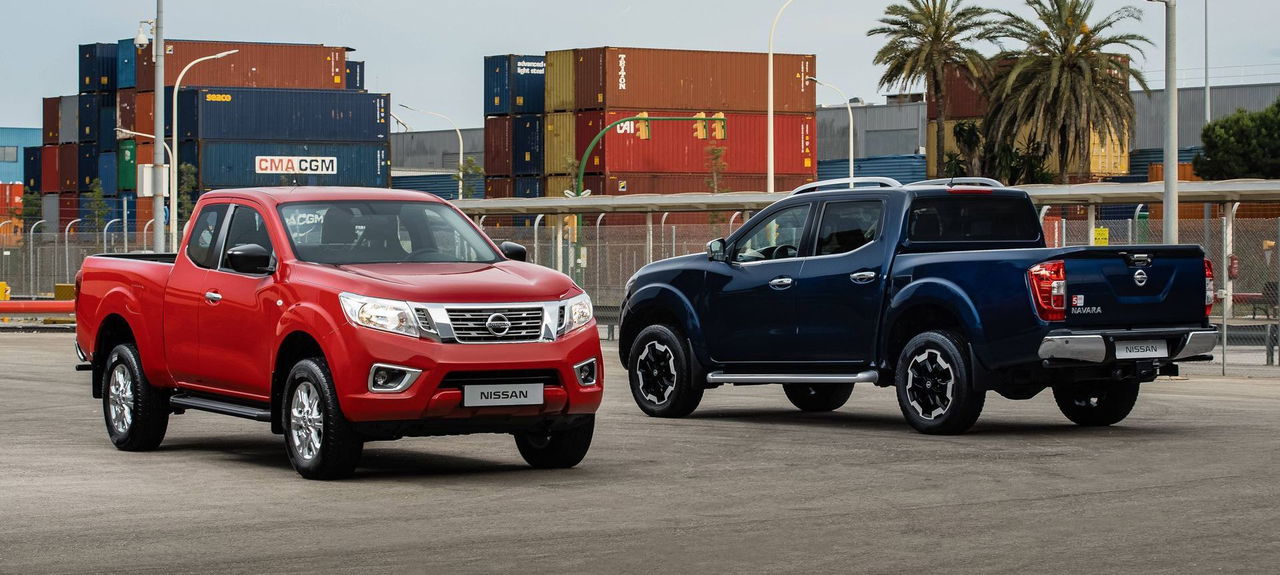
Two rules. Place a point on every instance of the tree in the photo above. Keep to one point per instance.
(32, 209)
(188, 188)
(717, 167)
(969, 140)
(924, 39)
(96, 205)
(1066, 81)
(1242, 145)
(469, 168)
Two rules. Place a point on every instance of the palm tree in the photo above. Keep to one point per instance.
(1066, 81)
(924, 39)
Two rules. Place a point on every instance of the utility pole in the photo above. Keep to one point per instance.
(1171, 121)
(158, 186)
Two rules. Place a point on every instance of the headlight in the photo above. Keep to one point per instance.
(384, 314)
(577, 312)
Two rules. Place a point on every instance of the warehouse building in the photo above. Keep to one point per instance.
(1147, 141)
(12, 142)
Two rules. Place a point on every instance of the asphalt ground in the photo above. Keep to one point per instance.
(1190, 483)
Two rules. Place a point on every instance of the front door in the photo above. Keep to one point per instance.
(749, 310)
(184, 295)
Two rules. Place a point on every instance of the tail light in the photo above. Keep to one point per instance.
(1049, 289)
(1210, 294)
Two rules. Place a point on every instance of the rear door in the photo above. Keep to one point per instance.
(1135, 286)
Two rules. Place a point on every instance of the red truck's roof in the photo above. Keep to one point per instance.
(275, 196)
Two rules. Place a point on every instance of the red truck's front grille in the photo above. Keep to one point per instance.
(458, 379)
(475, 325)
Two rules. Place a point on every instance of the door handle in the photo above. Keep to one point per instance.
(863, 277)
(212, 296)
(781, 283)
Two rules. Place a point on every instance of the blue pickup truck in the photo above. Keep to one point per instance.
(943, 289)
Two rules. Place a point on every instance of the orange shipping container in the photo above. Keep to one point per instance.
(1186, 173)
(256, 65)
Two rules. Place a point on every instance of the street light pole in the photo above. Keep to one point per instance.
(173, 149)
(461, 172)
(157, 160)
(1208, 113)
(770, 185)
(1171, 121)
(848, 106)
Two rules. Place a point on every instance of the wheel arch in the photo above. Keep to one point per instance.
(928, 305)
(659, 303)
(113, 330)
(295, 346)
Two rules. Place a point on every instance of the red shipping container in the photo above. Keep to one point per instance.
(126, 113)
(68, 167)
(144, 112)
(68, 209)
(618, 184)
(673, 148)
(497, 146)
(498, 188)
(50, 177)
(51, 113)
(641, 78)
(256, 65)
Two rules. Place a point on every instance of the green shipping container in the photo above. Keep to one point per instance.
(128, 165)
(558, 143)
(559, 83)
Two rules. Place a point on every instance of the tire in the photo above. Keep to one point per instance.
(136, 414)
(557, 449)
(661, 375)
(317, 437)
(825, 397)
(1096, 406)
(935, 386)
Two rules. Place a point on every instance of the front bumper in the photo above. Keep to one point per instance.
(355, 350)
(1185, 344)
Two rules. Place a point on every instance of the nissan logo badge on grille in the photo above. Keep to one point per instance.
(499, 325)
(1139, 277)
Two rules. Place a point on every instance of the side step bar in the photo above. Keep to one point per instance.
(223, 407)
(813, 378)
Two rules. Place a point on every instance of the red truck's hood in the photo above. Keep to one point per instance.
(505, 281)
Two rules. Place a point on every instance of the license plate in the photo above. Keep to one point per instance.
(1141, 349)
(502, 394)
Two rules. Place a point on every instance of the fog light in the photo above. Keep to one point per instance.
(385, 378)
(586, 372)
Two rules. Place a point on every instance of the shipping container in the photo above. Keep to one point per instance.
(672, 146)
(31, 167)
(526, 144)
(68, 209)
(90, 107)
(442, 185)
(649, 79)
(498, 188)
(49, 210)
(144, 111)
(98, 67)
(355, 75)
(51, 124)
(965, 98)
(240, 164)
(138, 212)
(107, 122)
(256, 65)
(108, 173)
(558, 92)
(50, 176)
(527, 187)
(514, 84)
(127, 165)
(96, 214)
(291, 115)
(497, 146)
(68, 167)
(556, 186)
(69, 119)
(87, 171)
(126, 111)
(127, 63)
(10, 201)
(560, 154)
(618, 184)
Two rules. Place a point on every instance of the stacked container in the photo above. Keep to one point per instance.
(514, 88)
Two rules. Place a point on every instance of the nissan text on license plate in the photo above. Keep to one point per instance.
(1141, 349)
(502, 394)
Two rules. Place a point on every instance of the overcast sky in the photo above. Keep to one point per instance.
(428, 53)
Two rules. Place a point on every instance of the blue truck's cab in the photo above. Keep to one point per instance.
(945, 291)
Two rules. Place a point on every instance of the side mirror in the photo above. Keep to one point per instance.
(249, 259)
(715, 250)
(513, 251)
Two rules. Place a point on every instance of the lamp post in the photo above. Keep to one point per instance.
(771, 186)
(848, 106)
(1171, 120)
(157, 160)
(461, 152)
(173, 148)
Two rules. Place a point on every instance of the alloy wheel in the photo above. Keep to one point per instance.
(930, 383)
(306, 421)
(656, 368)
(120, 399)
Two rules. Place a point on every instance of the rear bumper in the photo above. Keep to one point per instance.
(1185, 344)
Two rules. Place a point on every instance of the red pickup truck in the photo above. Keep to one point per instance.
(340, 316)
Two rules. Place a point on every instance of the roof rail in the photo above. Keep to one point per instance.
(964, 181)
(812, 186)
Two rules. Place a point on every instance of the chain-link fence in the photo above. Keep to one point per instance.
(36, 263)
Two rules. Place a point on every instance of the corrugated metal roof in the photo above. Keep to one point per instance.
(905, 168)
(881, 130)
(1149, 119)
(442, 185)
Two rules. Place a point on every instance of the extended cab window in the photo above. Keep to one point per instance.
(974, 218)
(201, 247)
(778, 237)
(246, 227)
(364, 232)
(847, 226)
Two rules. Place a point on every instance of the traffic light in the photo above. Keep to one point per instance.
(700, 126)
(718, 131)
(642, 126)
(571, 228)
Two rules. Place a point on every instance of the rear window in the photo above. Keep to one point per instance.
(972, 219)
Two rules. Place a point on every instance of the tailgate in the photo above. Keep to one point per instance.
(1135, 286)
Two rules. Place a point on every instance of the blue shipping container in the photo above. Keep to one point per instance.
(355, 75)
(528, 187)
(289, 115)
(97, 118)
(241, 164)
(126, 64)
(108, 210)
(87, 169)
(443, 185)
(905, 168)
(98, 67)
(526, 145)
(31, 167)
(1141, 159)
(514, 84)
(108, 170)
(107, 122)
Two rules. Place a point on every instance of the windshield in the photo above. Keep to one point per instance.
(367, 232)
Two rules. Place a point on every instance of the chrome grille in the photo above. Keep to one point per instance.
(470, 324)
